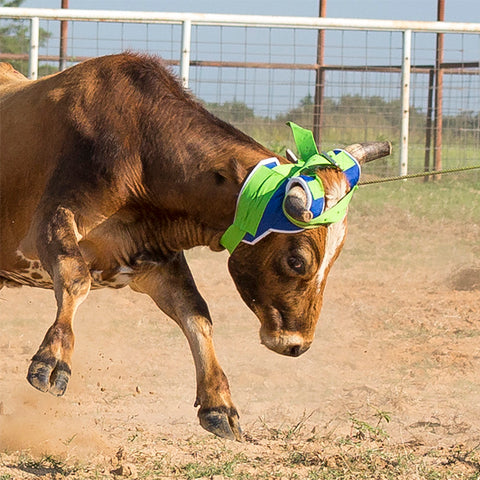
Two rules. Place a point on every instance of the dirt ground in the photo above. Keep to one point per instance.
(396, 362)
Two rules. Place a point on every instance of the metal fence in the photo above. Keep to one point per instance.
(378, 77)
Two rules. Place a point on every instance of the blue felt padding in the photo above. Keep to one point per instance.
(352, 175)
(273, 219)
(273, 163)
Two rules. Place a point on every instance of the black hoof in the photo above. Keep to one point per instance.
(59, 379)
(222, 422)
(49, 376)
(39, 374)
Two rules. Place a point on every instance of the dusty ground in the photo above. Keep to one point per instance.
(398, 340)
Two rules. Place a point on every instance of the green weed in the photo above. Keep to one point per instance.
(364, 430)
(288, 432)
(226, 468)
(47, 464)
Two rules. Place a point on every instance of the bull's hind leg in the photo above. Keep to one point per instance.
(173, 289)
(60, 255)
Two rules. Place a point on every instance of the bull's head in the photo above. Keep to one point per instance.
(282, 276)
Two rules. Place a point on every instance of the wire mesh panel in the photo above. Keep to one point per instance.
(259, 77)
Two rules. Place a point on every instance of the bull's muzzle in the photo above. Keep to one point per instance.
(290, 344)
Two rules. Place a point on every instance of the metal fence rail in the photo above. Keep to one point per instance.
(378, 78)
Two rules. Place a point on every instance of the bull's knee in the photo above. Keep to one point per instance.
(71, 277)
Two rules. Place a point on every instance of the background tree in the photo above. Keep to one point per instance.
(15, 40)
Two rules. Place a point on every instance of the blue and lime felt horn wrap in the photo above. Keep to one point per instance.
(260, 205)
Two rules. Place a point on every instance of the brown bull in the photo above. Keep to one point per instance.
(109, 170)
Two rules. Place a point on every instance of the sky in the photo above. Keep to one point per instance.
(272, 91)
(455, 10)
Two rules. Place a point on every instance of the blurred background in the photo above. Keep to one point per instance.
(345, 83)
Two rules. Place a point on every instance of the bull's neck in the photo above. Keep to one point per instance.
(209, 200)
(185, 233)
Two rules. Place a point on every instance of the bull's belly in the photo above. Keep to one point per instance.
(32, 274)
(16, 279)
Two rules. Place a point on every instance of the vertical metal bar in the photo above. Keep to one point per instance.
(405, 100)
(63, 40)
(33, 54)
(319, 78)
(428, 122)
(185, 57)
(438, 115)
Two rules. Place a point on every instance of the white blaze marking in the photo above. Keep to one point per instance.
(335, 232)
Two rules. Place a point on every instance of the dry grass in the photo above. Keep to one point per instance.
(390, 386)
(268, 452)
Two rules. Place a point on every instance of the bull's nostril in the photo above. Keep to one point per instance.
(295, 351)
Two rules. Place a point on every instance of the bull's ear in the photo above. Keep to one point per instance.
(232, 171)
(291, 157)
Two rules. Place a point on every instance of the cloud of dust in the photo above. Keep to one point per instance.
(43, 424)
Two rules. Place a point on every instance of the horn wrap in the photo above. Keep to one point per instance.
(296, 199)
(290, 197)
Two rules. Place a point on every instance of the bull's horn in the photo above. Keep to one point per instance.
(295, 204)
(366, 152)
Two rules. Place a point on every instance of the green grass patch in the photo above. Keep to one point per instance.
(225, 468)
(448, 199)
(265, 457)
(46, 465)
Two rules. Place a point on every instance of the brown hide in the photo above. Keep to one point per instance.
(123, 128)
(108, 171)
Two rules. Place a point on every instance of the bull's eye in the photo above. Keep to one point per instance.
(296, 263)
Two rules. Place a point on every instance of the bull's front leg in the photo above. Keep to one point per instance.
(60, 255)
(173, 289)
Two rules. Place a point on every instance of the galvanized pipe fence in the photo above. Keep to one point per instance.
(187, 21)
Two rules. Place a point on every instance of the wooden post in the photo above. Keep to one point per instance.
(319, 79)
(63, 40)
(428, 123)
(438, 116)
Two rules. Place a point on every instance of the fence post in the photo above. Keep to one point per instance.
(405, 100)
(185, 58)
(319, 79)
(33, 54)
(62, 62)
(428, 123)
(438, 111)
